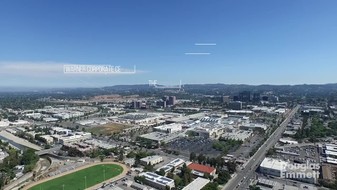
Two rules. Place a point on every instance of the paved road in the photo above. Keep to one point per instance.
(242, 179)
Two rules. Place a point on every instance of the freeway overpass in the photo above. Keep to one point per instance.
(49, 151)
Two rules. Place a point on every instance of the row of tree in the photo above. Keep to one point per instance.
(216, 162)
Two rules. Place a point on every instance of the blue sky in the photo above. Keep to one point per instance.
(257, 42)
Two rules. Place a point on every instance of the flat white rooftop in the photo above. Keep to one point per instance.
(331, 147)
(173, 126)
(273, 164)
(155, 178)
(332, 153)
(331, 160)
(151, 158)
(197, 184)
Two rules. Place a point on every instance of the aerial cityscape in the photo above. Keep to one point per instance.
(168, 95)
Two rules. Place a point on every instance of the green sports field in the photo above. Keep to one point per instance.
(84, 178)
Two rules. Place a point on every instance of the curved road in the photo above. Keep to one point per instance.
(125, 170)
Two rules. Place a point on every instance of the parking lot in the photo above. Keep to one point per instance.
(120, 184)
(300, 154)
(244, 150)
(197, 145)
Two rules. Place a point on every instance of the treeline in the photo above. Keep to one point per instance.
(22, 102)
(7, 167)
(316, 130)
(216, 162)
(225, 145)
(137, 155)
(96, 153)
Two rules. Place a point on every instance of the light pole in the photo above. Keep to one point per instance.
(63, 186)
(104, 174)
(85, 182)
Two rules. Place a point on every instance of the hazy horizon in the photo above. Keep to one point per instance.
(235, 42)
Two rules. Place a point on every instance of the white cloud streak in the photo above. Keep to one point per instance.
(38, 69)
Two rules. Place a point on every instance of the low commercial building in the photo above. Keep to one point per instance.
(151, 160)
(3, 155)
(82, 147)
(170, 128)
(237, 135)
(157, 181)
(71, 138)
(329, 152)
(158, 137)
(60, 131)
(197, 184)
(272, 167)
(287, 141)
(144, 119)
(48, 139)
(101, 144)
(138, 186)
(252, 126)
(50, 119)
(129, 162)
(200, 170)
(4, 123)
(329, 172)
(301, 172)
(176, 163)
(208, 130)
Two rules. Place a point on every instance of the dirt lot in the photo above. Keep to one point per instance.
(108, 129)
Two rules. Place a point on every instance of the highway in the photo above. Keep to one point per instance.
(20, 141)
(242, 178)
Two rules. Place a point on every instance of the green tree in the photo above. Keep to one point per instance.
(101, 157)
(149, 168)
(254, 187)
(161, 172)
(223, 177)
(231, 166)
(201, 158)
(193, 156)
(170, 175)
(211, 186)
(139, 179)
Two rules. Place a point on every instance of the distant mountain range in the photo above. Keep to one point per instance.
(192, 88)
(312, 88)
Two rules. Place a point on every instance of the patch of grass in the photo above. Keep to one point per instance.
(108, 129)
(84, 178)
